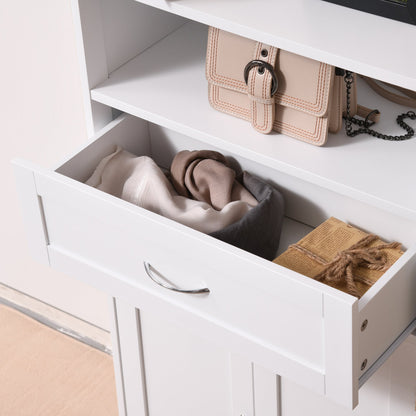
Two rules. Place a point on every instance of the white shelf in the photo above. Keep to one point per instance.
(364, 43)
(166, 85)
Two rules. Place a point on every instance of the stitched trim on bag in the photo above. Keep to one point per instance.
(315, 133)
(266, 101)
(227, 107)
(314, 137)
(213, 54)
(339, 107)
(266, 118)
(230, 81)
(324, 81)
(230, 108)
(265, 82)
(320, 107)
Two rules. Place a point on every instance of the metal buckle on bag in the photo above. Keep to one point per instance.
(262, 66)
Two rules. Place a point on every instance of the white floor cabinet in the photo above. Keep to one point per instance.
(259, 340)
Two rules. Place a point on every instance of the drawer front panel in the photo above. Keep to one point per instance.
(245, 296)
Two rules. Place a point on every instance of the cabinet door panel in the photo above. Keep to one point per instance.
(185, 374)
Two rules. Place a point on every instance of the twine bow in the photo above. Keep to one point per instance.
(341, 268)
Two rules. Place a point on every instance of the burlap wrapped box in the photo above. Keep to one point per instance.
(341, 256)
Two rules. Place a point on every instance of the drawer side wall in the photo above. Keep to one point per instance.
(389, 310)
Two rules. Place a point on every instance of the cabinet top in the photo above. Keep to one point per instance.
(364, 43)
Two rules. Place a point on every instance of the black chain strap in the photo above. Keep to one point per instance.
(366, 123)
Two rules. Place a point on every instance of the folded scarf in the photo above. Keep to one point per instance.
(206, 176)
(140, 181)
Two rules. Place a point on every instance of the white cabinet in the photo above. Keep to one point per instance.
(258, 320)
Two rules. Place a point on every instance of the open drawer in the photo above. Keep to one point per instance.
(295, 326)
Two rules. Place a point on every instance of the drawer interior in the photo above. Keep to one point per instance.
(306, 204)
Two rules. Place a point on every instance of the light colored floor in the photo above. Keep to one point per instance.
(56, 318)
(46, 373)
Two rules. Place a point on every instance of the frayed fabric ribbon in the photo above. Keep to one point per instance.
(341, 268)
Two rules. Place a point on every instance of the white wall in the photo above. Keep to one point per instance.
(41, 115)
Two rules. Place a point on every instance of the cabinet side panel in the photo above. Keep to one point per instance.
(32, 210)
(130, 27)
(92, 59)
(109, 34)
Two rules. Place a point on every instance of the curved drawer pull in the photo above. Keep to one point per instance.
(151, 272)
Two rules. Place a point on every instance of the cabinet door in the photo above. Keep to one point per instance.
(185, 374)
(162, 369)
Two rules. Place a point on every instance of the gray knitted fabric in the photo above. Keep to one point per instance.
(258, 232)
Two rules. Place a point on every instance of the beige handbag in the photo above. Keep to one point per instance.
(281, 91)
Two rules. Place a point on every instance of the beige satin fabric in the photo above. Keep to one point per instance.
(140, 181)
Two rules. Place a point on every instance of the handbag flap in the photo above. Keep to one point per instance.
(303, 83)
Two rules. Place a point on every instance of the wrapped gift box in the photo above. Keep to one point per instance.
(341, 256)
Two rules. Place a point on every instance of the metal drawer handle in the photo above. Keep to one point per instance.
(151, 272)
